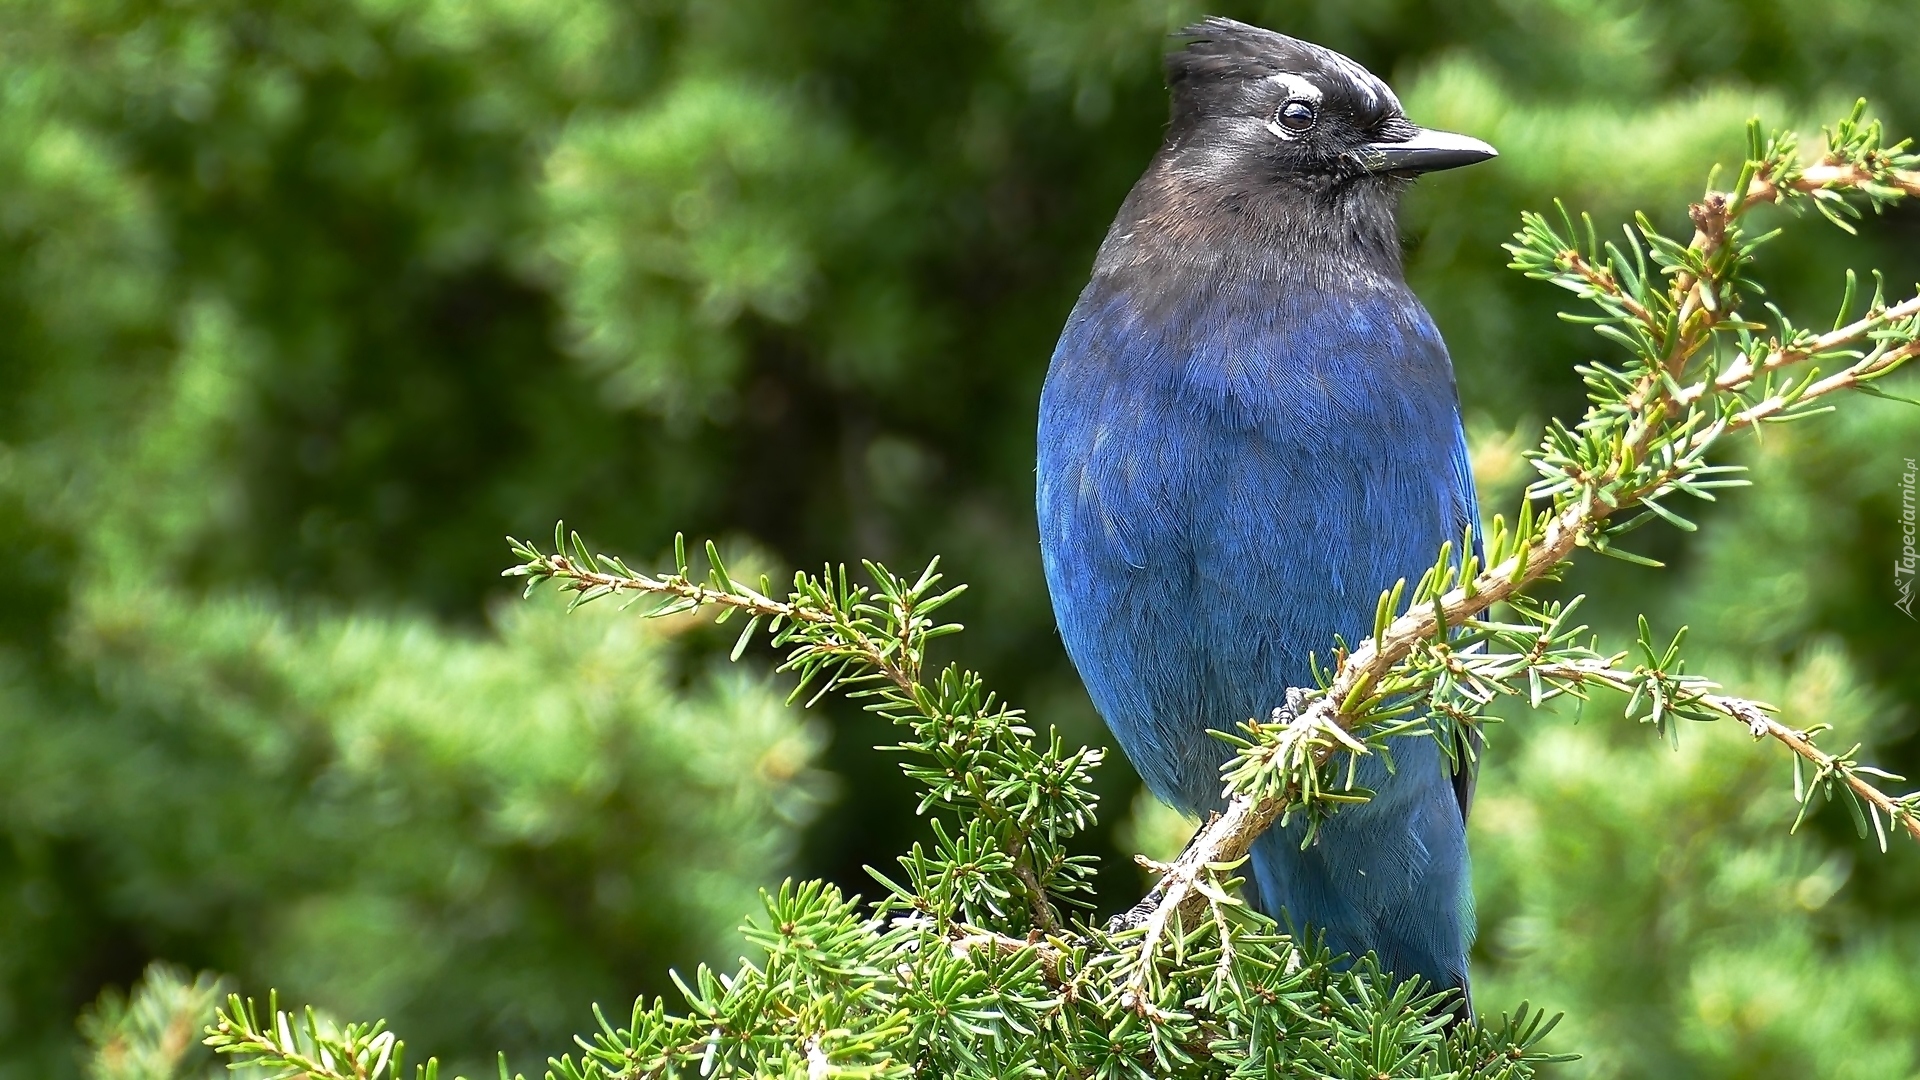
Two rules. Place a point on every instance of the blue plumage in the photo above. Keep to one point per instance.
(1249, 429)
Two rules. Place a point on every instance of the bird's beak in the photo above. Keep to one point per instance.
(1426, 151)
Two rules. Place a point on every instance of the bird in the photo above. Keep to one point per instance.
(1248, 430)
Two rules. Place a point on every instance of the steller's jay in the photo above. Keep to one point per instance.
(1248, 431)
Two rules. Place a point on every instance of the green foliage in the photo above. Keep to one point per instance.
(1016, 803)
(399, 810)
(371, 806)
(299, 312)
(288, 1046)
(155, 1032)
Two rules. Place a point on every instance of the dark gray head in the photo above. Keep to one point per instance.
(1250, 100)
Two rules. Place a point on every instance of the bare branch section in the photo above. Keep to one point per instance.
(1838, 176)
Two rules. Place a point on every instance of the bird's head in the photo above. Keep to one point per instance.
(1250, 100)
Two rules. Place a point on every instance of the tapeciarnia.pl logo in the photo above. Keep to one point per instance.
(1903, 567)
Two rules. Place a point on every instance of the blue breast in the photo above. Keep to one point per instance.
(1228, 480)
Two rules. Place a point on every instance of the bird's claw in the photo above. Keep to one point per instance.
(1136, 916)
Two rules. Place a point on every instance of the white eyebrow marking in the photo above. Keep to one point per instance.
(1297, 87)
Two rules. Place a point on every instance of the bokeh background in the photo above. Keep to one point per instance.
(303, 305)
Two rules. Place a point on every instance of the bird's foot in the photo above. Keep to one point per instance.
(1296, 704)
(1138, 914)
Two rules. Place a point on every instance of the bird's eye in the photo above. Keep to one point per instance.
(1297, 116)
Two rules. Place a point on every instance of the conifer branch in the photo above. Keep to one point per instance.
(872, 644)
(299, 1045)
(1694, 695)
(153, 1032)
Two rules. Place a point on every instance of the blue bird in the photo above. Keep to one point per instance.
(1249, 429)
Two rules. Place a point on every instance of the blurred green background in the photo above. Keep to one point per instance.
(304, 305)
